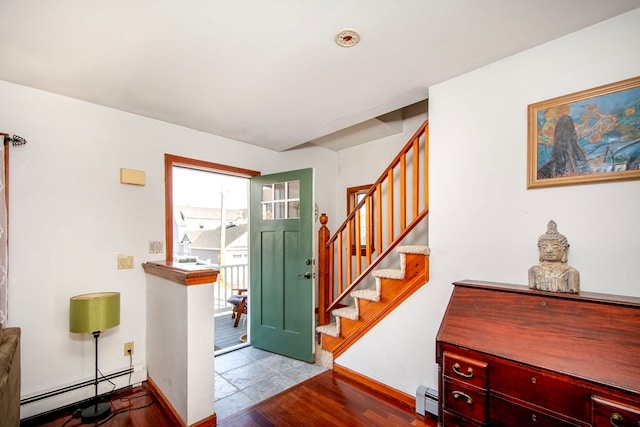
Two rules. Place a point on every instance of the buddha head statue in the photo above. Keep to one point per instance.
(553, 245)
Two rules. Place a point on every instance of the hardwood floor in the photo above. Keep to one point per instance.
(327, 400)
(131, 407)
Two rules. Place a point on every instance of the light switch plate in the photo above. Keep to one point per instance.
(156, 247)
(122, 262)
(125, 262)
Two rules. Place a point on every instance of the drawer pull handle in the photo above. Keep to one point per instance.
(457, 394)
(615, 419)
(456, 369)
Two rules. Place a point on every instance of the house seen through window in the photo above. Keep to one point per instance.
(210, 212)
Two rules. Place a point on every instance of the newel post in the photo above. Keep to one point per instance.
(323, 271)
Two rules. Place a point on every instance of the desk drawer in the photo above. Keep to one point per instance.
(543, 389)
(467, 401)
(509, 414)
(465, 369)
(607, 413)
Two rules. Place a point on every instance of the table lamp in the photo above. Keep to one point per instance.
(93, 313)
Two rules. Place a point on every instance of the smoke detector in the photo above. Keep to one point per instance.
(347, 37)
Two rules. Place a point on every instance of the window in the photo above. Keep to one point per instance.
(354, 196)
(180, 245)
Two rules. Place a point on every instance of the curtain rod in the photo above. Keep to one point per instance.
(15, 139)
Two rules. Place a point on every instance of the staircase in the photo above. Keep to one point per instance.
(392, 287)
(395, 204)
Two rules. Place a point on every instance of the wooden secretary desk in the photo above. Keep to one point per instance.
(511, 356)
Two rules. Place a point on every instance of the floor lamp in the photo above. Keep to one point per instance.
(93, 313)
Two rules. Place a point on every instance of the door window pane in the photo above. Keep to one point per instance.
(281, 200)
(279, 211)
(267, 193)
(294, 189)
(280, 191)
(267, 211)
(294, 210)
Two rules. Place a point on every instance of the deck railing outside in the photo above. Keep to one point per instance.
(230, 278)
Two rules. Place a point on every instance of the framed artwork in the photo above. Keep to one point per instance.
(585, 137)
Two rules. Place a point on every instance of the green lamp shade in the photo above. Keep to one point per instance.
(94, 312)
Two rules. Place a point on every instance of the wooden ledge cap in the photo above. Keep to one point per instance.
(183, 274)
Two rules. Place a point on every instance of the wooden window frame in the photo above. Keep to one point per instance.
(352, 201)
(170, 161)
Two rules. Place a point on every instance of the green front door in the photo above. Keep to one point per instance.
(281, 265)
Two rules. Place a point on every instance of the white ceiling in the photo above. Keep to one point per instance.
(268, 72)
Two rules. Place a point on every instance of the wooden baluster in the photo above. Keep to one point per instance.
(340, 250)
(403, 192)
(323, 270)
(332, 269)
(390, 203)
(349, 246)
(426, 168)
(369, 228)
(379, 216)
(416, 177)
(358, 243)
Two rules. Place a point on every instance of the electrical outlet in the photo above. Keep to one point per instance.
(128, 348)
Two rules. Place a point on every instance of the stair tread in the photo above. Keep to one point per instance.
(368, 294)
(329, 329)
(350, 312)
(389, 273)
(422, 250)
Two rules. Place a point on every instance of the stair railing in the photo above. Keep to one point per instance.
(392, 207)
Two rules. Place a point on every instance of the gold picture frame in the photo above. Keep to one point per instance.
(585, 137)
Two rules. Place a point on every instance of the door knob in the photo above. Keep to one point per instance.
(306, 275)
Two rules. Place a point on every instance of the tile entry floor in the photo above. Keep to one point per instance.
(246, 376)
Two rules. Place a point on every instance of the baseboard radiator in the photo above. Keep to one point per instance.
(426, 401)
(82, 384)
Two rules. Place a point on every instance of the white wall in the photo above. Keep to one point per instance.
(483, 222)
(69, 216)
(363, 164)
